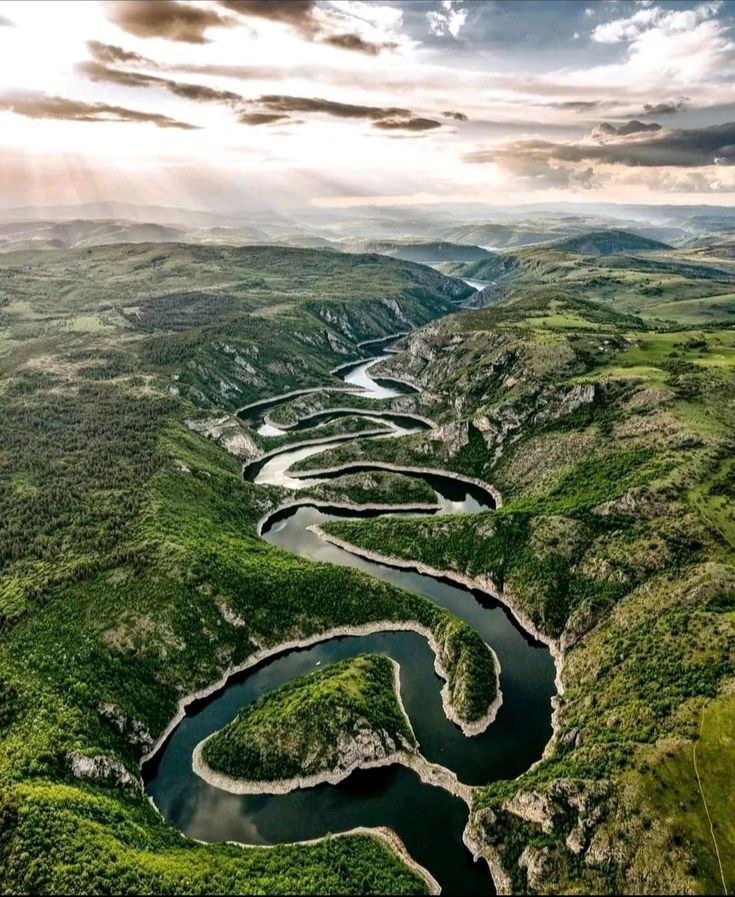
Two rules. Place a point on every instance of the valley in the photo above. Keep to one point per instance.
(530, 498)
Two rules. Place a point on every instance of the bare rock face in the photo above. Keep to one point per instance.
(228, 433)
(337, 319)
(583, 620)
(396, 311)
(246, 372)
(560, 403)
(537, 863)
(454, 436)
(134, 730)
(638, 502)
(531, 807)
(100, 768)
(336, 344)
(605, 851)
(543, 406)
(575, 840)
(363, 746)
(571, 739)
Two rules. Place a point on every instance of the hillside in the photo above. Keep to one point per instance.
(325, 724)
(611, 444)
(222, 320)
(425, 253)
(131, 572)
(29, 235)
(689, 286)
(608, 242)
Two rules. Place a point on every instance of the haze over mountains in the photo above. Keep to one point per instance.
(431, 235)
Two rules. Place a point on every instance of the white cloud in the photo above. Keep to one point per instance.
(449, 21)
(654, 18)
(684, 46)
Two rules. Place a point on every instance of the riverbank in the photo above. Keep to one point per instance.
(342, 410)
(429, 773)
(266, 653)
(488, 488)
(477, 583)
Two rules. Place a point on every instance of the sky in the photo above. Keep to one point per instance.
(232, 104)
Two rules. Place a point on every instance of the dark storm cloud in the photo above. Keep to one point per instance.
(287, 104)
(457, 116)
(691, 147)
(357, 43)
(579, 105)
(407, 124)
(197, 92)
(109, 54)
(636, 127)
(169, 19)
(33, 104)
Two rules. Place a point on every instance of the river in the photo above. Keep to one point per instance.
(429, 820)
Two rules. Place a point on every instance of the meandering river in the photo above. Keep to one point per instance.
(428, 819)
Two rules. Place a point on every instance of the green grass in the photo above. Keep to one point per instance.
(669, 789)
(665, 287)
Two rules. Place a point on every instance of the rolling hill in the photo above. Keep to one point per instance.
(609, 242)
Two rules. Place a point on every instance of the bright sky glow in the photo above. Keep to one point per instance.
(421, 101)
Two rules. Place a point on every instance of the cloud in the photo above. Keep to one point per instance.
(666, 108)
(33, 104)
(685, 45)
(637, 127)
(447, 20)
(287, 104)
(680, 148)
(298, 14)
(578, 105)
(96, 71)
(260, 118)
(606, 131)
(109, 54)
(357, 43)
(537, 172)
(630, 28)
(457, 116)
(324, 25)
(406, 124)
(6, 23)
(272, 107)
(168, 19)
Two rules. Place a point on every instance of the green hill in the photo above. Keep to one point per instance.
(231, 324)
(611, 444)
(668, 286)
(329, 722)
(608, 242)
(425, 253)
